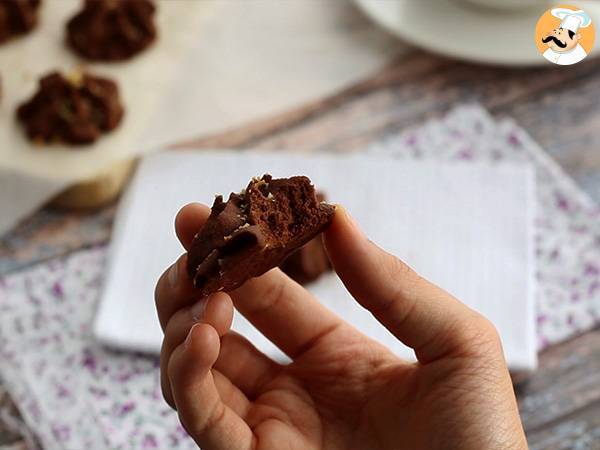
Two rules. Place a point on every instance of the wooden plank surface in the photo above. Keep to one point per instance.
(558, 107)
(560, 403)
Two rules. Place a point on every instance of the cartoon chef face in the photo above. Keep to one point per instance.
(561, 39)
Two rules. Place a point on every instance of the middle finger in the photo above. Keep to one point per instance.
(216, 310)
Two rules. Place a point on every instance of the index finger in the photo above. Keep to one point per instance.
(418, 313)
(188, 221)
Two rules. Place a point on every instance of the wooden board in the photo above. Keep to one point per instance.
(96, 192)
(560, 403)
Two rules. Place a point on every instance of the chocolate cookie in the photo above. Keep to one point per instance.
(17, 17)
(112, 30)
(310, 261)
(74, 111)
(255, 231)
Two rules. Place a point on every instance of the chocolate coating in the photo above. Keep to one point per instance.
(17, 17)
(255, 231)
(112, 30)
(71, 111)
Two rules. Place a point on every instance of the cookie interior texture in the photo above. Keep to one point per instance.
(112, 30)
(310, 261)
(255, 231)
(17, 17)
(74, 110)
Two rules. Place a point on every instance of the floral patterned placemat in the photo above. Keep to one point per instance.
(74, 394)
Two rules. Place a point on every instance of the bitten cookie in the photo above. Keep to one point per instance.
(310, 261)
(72, 110)
(112, 30)
(17, 17)
(255, 231)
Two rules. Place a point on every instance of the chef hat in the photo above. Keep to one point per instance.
(572, 20)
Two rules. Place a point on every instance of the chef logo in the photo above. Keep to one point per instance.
(565, 35)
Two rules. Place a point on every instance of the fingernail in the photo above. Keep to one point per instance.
(188, 339)
(198, 308)
(173, 275)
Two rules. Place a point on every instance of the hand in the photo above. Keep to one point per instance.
(342, 390)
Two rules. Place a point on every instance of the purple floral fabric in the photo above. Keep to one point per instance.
(72, 392)
(75, 394)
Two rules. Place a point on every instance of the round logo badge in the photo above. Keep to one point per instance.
(565, 35)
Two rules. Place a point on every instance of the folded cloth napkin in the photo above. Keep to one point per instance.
(114, 401)
(467, 227)
(567, 225)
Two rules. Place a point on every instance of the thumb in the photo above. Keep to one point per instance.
(419, 313)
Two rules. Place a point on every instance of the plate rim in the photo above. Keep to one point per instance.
(367, 8)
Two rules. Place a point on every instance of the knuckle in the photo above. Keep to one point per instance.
(168, 397)
(172, 366)
(482, 336)
(178, 325)
(165, 382)
(403, 286)
(272, 297)
(158, 288)
(175, 329)
(487, 329)
(216, 416)
(398, 269)
(404, 279)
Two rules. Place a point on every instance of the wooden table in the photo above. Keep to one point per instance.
(560, 403)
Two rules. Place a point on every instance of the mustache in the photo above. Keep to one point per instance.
(556, 41)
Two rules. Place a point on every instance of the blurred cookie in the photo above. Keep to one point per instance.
(74, 110)
(112, 30)
(17, 17)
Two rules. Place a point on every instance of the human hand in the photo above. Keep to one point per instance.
(342, 390)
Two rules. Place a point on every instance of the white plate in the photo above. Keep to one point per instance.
(452, 28)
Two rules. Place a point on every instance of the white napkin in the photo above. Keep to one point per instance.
(466, 227)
